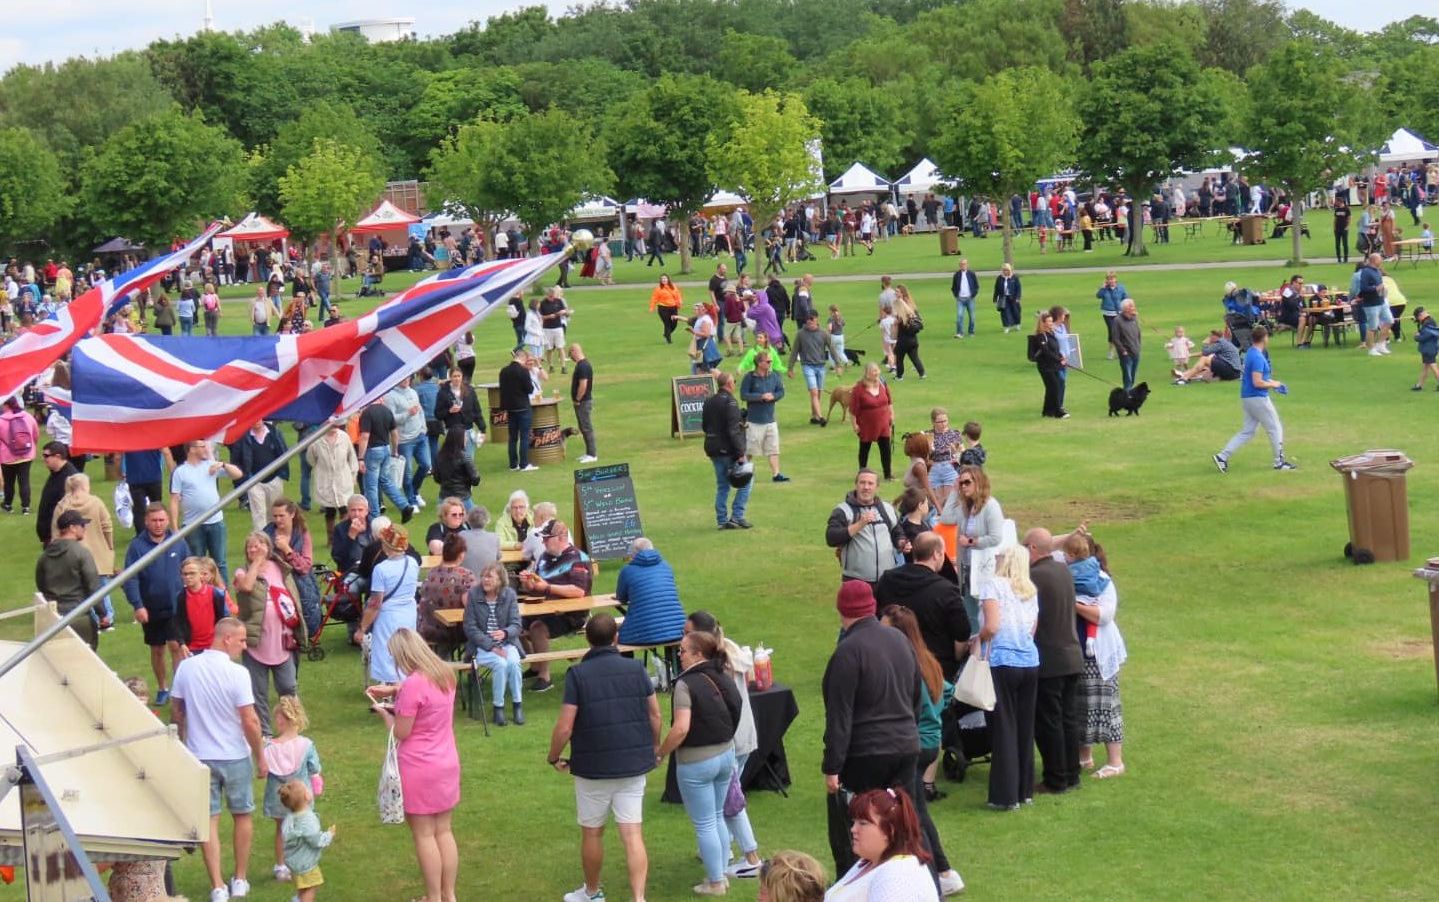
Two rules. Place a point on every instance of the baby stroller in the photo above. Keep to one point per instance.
(964, 740)
(338, 602)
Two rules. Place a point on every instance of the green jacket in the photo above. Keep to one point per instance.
(66, 572)
(251, 606)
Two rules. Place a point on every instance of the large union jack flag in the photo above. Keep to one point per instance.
(47, 341)
(133, 392)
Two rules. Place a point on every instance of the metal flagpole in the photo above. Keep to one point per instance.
(119, 579)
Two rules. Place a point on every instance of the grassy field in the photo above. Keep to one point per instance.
(1280, 702)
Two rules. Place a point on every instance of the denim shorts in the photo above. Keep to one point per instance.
(235, 781)
(814, 377)
(943, 474)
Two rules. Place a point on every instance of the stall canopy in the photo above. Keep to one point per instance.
(255, 228)
(1406, 147)
(723, 202)
(128, 786)
(923, 178)
(385, 217)
(594, 208)
(118, 246)
(640, 208)
(859, 179)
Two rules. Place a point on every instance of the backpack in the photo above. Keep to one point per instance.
(914, 325)
(19, 437)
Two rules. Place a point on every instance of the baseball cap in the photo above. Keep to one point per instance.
(71, 518)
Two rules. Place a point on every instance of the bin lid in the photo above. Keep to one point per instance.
(1379, 461)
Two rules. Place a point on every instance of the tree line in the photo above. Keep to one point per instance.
(667, 99)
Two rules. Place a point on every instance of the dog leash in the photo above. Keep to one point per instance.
(1075, 369)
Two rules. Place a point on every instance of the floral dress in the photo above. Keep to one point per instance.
(444, 588)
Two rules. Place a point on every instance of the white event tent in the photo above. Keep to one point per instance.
(859, 179)
(1406, 147)
(922, 179)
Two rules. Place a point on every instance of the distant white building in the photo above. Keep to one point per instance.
(379, 31)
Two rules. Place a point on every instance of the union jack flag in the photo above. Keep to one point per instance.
(47, 341)
(181, 388)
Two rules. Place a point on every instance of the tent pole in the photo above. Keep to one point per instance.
(119, 579)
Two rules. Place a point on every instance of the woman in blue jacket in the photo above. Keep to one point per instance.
(1426, 339)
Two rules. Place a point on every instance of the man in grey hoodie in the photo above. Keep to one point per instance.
(864, 531)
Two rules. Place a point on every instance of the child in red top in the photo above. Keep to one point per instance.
(199, 607)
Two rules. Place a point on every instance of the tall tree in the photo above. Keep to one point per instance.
(32, 191)
(858, 121)
(1094, 28)
(767, 158)
(657, 143)
(461, 178)
(1147, 115)
(755, 61)
(456, 96)
(1238, 30)
(328, 190)
(296, 140)
(1304, 126)
(1007, 132)
(158, 177)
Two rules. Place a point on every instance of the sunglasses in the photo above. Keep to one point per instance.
(966, 482)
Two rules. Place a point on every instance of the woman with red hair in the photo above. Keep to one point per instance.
(892, 862)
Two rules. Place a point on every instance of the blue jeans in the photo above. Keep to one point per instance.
(416, 451)
(259, 328)
(738, 826)
(209, 541)
(703, 785)
(740, 258)
(722, 489)
(1128, 367)
(519, 445)
(504, 671)
(377, 479)
(187, 325)
(963, 307)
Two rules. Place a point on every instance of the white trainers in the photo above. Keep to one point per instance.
(950, 883)
(528, 467)
(1375, 352)
(1384, 348)
(219, 894)
(583, 895)
(281, 873)
(588, 459)
(239, 887)
(419, 502)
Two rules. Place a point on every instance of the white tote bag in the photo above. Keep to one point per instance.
(975, 686)
(396, 471)
(391, 796)
(124, 505)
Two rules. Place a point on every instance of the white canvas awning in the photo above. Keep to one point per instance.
(146, 798)
(595, 208)
(385, 217)
(859, 179)
(723, 201)
(639, 208)
(1406, 147)
(923, 178)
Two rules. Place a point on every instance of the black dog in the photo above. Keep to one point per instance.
(853, 356)
(1128, 401)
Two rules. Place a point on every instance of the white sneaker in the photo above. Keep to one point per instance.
(583, 895)
(588, 459)
(1384, 348)
(219, 894)
(1375, 352)
(239, 887)
(282, 873)
(950, 883)
(528, 467)
(419, 502)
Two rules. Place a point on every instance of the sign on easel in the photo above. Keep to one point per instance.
(689, 394)
(607, 513)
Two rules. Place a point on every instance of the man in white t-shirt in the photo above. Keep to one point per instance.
(213, 707)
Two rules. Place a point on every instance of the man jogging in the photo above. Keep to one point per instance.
(1254, 386)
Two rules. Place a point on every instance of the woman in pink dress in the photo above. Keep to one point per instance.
(422, 718)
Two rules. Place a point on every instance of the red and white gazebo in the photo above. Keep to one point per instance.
(255, 227)
(384, 218)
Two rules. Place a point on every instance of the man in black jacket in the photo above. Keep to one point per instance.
(871, 693)
(259, 448)
(56, 456)
(937, 603)
(515, 388)
(1059, 710)
(725, 447)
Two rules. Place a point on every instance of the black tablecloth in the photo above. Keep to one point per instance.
(774, 710)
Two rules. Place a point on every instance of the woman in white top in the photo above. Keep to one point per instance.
(885, 834)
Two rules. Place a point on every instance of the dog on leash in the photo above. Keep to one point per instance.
(1128, 401)
(840, 396)
(853, 356)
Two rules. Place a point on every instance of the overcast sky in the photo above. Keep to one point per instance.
(38, 31)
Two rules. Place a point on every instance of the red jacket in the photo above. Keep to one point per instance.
(872, 413)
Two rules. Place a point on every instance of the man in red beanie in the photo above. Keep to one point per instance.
(871, 693)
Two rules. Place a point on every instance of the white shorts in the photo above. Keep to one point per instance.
(595, 799)
(761, 439)
(554, 339)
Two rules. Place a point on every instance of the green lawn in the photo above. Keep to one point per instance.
(1280, 702)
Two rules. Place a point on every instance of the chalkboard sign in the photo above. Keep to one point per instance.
(686, 413)
(607, 513)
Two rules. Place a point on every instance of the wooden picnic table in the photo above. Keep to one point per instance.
(1412, 249)
(537, 608)
(508, 557)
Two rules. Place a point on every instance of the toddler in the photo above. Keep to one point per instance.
(1180, 349)
(836, 336)
(303, 839)
(290, 758)
(886, 332)
(1089, 580)
(973, 453)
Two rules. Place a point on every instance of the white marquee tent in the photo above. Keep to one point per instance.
(723, 201)
(1406, 147)
(922, 179)
(859, 179)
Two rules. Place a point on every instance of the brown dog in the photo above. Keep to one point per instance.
(839, 395)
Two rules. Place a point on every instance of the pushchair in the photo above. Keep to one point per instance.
(964, 740)
(338, 602)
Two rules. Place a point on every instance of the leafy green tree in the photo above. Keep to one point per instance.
(505, 39)
(460, 176)
(32, 191)
(859, 121)
(1307, 25)
(657, 143)
(1161, 21)
(456, 96)
(1094, 29)
(1238, 32)
(328, 190)
(581, 87)
(160, 176)
(1148, 114)
(1304, 125)
(1004, 134)
(755, 61)
(983, 37)
(205, 72)
(767, 157)
(1412, 96)
(296, 141)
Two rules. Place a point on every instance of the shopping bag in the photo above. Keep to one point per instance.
(124, 506)
(975, 686)
(397, 471)
(734, 800)
(391, 796)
